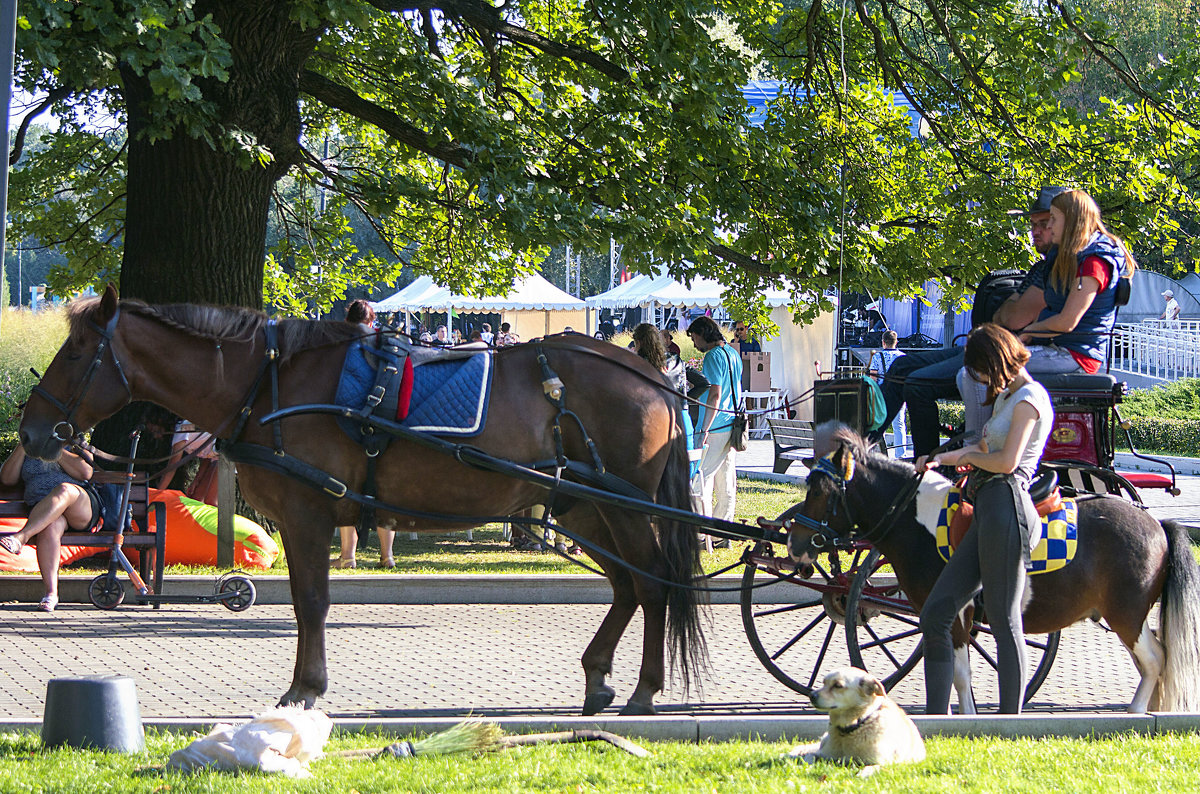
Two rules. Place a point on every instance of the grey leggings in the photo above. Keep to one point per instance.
(990, 558)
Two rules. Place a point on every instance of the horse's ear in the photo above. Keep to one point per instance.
(108, 303)
(845, 458)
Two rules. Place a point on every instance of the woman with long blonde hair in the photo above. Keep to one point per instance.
(1080, 293)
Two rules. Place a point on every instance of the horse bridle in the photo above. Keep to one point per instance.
(825, 534)
(65, 430)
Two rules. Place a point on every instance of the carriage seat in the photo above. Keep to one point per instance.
(1077, 381)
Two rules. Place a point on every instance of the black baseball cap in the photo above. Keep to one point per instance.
(1042, 202)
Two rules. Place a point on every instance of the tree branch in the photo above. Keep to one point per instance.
(346, 100)
(55, 95)
(488, 17)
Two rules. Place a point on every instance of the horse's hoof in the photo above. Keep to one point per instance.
(598, 702)
(638, 710)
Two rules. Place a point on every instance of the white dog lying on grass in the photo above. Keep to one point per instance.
(865, 725)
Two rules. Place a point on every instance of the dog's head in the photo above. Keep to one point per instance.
(847, 688)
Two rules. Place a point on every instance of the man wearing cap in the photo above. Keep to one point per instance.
(1171, 313)
(921, 378)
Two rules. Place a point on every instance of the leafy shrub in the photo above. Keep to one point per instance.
(28, 340)
(1178, 400)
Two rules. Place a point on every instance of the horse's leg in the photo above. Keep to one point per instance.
(962, 679)
(633, 534)
(306, 540)
(597, 659)
(1149, 658)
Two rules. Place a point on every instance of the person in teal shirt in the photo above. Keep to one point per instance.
(723, 368)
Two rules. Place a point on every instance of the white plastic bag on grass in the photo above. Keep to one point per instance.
(282, 740)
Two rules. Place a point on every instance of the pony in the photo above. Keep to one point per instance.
(1126, 562)
(215, 366)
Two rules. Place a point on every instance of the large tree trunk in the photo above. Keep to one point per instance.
(196, 216)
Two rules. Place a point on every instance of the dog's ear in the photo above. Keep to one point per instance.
(809, 463)
(871, 685)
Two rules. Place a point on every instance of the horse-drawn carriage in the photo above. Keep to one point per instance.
(573, 422)
(849, 605)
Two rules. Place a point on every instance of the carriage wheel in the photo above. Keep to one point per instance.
(795, 625)
(106, 592)
(242, 590)
(882, 631)
(884, 637)
(1044, 644)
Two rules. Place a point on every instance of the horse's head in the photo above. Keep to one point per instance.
(83, 384)
(849, 490)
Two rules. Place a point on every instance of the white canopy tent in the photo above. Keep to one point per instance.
(533, 307)
(793, 351)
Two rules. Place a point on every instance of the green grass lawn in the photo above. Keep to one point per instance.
(1125, 763)
(488, 552)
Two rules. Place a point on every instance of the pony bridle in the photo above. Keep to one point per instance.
(825, 467)
(65, 430)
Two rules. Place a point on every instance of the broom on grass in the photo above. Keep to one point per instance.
(475, 736)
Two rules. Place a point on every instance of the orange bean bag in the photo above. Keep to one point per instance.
(192, 534)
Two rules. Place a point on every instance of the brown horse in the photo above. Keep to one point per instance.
(203, 363)
(1126, 561)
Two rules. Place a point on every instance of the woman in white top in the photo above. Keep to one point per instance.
(994, 554)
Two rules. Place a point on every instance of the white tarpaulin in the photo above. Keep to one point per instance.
(665, 291)
(533, 293)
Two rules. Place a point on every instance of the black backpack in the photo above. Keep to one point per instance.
(994, 289)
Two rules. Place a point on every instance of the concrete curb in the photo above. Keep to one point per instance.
(690, 728)
(400, 589)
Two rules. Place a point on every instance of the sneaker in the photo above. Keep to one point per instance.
(562, 548)
(723, 543)
(48, 603)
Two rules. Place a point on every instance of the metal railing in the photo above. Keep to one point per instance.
(1166, 349)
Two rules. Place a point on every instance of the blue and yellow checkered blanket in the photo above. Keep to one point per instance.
(1055, 548)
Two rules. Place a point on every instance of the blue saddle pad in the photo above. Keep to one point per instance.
(448, 397)
(451, 397)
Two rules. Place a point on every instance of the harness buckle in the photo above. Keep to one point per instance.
(335, 488)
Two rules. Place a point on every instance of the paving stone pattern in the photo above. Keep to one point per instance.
(404, 661)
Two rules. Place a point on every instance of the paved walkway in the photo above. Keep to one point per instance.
(436, 660)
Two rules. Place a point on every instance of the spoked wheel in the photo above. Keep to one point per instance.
(106, 592)
(1040, 650)
(884, 636)
(1076, 478)
(241, 590)
(795, 625)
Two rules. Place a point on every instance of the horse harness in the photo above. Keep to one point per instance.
(825, 534)
(377, 431)
(65, 430)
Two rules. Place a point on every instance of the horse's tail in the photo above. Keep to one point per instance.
(680, 544)
(1179, 620)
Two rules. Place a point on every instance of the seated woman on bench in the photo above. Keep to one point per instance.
(60, 499)
(1080, 297)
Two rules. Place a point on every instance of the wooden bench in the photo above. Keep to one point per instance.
(150, 544)
(793, 440)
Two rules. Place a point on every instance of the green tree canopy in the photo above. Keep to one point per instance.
(475, 136)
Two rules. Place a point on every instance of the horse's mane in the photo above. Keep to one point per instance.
(220, 324)
(828, 435)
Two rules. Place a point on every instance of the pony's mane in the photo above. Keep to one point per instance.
(828, 435)
(219, 323)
